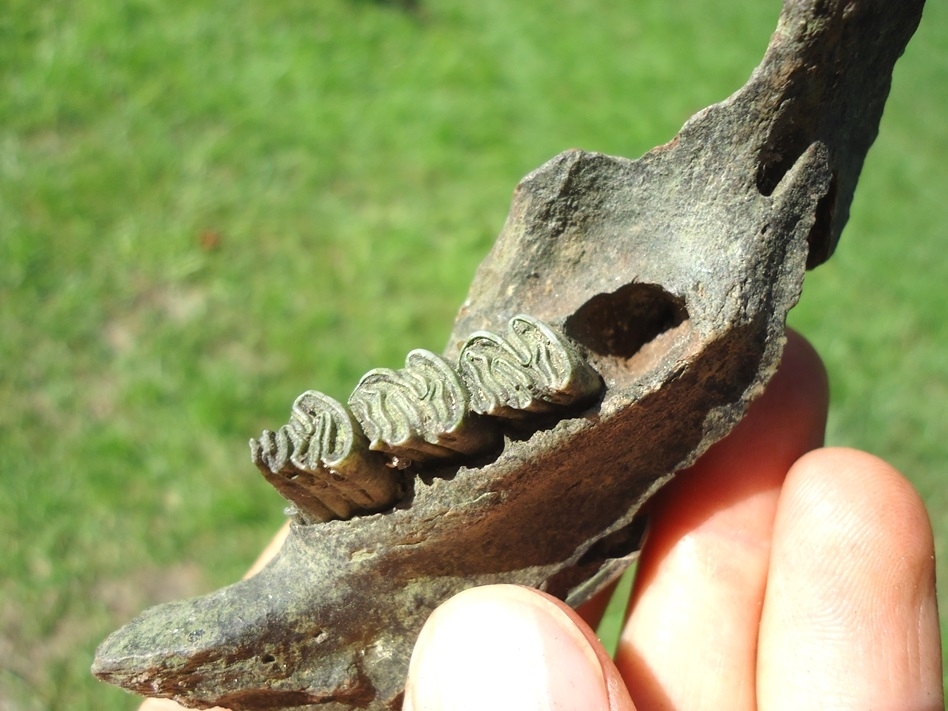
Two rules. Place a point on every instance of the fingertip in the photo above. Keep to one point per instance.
(270, 552)
(806, 365)
(510, 647)
(798, 394)
(850, 602)
(867, 493)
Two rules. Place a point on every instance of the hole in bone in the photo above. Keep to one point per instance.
(783, 149)
(820, 239)
(777, 157)
(620, 323)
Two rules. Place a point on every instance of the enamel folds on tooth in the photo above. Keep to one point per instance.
(335, 461)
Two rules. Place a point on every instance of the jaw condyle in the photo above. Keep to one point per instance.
(628, 313)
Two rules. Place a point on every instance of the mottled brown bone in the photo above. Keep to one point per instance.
(675, 272)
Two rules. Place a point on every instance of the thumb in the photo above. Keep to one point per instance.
(509, 647)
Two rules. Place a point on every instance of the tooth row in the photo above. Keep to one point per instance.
(325, 459)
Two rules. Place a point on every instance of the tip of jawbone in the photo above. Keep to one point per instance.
(234, 648)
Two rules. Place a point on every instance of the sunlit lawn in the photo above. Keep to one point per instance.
(208, 207)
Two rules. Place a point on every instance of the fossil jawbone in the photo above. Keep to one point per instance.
(674, 275)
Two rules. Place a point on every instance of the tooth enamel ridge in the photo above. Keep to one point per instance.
(320, 462)
(420, 412)
(335, 462)
(530, 370)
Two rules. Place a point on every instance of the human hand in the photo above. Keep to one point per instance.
(776, 575)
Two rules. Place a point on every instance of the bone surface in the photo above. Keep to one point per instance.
(671, 275)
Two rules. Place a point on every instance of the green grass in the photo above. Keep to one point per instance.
(207, 207)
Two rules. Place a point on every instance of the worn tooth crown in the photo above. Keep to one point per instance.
(531, 369)
(420, 412)
(327, 459)
(320, 461)
(342, 450)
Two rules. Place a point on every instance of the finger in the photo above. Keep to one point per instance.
(269, 553)
(594, 608)
(850, 618)
(505, 647)
(691, 636)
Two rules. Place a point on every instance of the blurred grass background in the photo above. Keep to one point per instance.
(208, 207)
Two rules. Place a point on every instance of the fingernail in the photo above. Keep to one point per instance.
(504, 647)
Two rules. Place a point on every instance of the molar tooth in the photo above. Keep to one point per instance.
(420, 412)
(321, 463)
(529, 369)
(344, 451)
